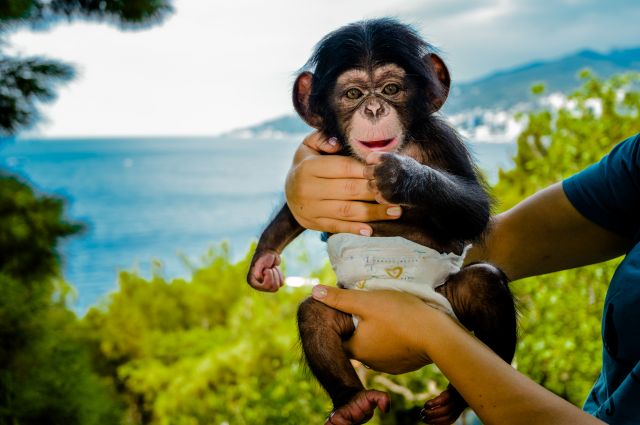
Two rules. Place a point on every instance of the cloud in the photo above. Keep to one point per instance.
(214, 66)
(504, 33)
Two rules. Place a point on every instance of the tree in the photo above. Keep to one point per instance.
(46, 371)
(206, 350)
(560, 344)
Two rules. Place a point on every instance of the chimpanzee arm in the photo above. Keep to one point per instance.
(264, 273)
(280, 231)
(459, 206)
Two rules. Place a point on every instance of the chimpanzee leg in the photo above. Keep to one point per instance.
(480, 296)
(322, 332)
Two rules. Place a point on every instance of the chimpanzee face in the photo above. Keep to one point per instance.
(369, 106)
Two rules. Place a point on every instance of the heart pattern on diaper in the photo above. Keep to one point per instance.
(394, 272)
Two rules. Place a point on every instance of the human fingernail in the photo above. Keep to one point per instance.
(333, 141)
(319, 292)
(394, 211)
(365, 232)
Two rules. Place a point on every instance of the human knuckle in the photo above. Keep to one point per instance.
(350, 187)
(345, 209)
(346, 167)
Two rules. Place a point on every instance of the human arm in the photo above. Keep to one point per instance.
(494, 390)
(329, 192)
(545, 233)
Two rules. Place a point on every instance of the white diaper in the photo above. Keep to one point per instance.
(370, 263)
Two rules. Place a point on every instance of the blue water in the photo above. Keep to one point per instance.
(150, 201)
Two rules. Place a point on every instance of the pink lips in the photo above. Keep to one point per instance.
(379, 145)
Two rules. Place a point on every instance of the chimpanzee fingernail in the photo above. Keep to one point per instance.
(394, 211)
(333, 141)
(365, 232)
(319, 292)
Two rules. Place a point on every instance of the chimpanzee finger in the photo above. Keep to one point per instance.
(266, 281)
(369, 171)
(444, 413)
(275, 279)
(280, 277)
(443, 398)
(270, 284)
(372, 185)
(261, 286)
(380, 199)
(374, 158)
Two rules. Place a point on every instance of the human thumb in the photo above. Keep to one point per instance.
(340, 299)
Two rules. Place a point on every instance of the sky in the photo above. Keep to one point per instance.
(214, 66)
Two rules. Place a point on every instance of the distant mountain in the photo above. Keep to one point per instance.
(499, 91)
(506, 88)
(290, 124)
(276, 128)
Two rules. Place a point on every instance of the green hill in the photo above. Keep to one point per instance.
(508, 87)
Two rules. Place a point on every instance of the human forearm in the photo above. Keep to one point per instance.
(494, 390)
(545, 233)
(398, 332)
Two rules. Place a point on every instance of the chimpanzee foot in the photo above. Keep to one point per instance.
(360, 408)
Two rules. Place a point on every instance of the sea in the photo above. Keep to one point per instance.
(163, 204)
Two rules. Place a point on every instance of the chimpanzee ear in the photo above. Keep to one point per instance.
(440, 91)
(301, 94)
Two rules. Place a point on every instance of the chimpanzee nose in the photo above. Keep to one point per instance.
(374, 108)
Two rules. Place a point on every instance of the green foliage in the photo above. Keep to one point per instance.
(207, 350)
(43, 13)
(557, 144)
(45, 370)
(25, 82)
(30, 226)
(560, 345)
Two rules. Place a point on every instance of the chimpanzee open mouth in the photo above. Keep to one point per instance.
(380, 145)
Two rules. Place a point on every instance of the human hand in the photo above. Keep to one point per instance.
(329, 192)
(391, 327)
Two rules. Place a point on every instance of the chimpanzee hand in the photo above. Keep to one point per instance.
(444, 409)
(264, 273)
(393, 177)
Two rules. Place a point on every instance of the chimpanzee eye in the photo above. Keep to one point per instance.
(353, 93)
(391, 89)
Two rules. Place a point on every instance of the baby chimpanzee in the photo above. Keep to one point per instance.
(375, 85)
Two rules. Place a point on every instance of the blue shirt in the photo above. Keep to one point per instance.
(608, 194)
